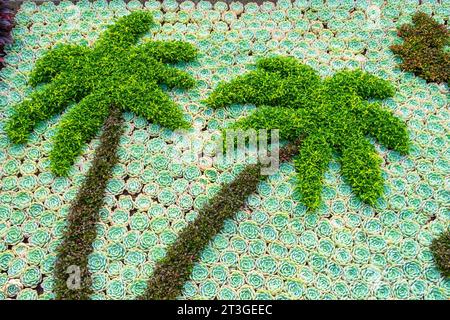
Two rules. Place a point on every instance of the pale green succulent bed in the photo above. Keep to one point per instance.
(274, 248)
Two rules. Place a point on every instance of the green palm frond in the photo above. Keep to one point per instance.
(332, 114)
(114, 73)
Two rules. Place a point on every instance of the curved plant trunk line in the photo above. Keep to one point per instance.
(72, 277)
(175, 268)
(440, 248)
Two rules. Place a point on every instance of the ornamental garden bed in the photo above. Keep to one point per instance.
(99, 200)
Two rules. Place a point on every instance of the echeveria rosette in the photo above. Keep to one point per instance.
(114, 73)
(331, 114)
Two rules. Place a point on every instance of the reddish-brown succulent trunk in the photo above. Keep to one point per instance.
(175, 268)
(72, 277)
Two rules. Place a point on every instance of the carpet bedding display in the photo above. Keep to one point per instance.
(92, 170)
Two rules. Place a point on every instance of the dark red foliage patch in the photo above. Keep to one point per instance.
(422, 50)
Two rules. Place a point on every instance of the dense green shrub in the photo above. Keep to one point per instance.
(114, 73)
(440, 247)
(423, 49)
(332, 113)
(175, 268)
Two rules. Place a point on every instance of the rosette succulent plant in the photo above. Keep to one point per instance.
(333, 114)
(113, 76)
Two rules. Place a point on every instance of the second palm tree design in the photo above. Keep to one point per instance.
(332, 114)
(112, 76)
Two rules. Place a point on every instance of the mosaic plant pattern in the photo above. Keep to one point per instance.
(273, 248)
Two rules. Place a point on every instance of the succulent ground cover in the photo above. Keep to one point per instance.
(423, 50)
(273, 247)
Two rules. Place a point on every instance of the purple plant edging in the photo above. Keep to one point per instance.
(6, 25)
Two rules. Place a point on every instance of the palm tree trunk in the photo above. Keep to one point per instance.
(175, 268)
(72, 277)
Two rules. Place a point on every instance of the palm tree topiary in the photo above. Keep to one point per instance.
(112, 76)
(114, 73)
(323, 115)
(423, 50)
(332, 114)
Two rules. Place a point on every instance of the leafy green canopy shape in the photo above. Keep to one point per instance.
(114, 73)
(332, 114)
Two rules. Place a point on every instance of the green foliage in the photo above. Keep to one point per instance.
(388, 130)
(175, 268)
(114, 73)
(361, 168)
(440, 247)
(312, 162)
(364, 84)
(423, 49)
(269, 118)
(102, 81)
(331, 113)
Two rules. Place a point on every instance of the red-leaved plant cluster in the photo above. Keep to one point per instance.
(422, 50)
(6, 24)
